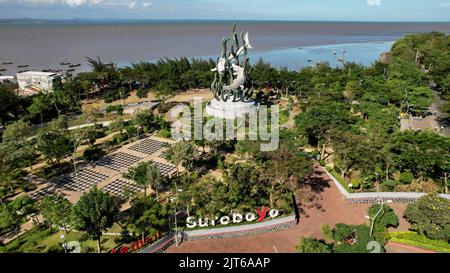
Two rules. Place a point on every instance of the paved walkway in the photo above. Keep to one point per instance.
(326, 206)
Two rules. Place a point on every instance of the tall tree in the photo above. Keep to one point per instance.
(147, 216)
(56, 210)
(146, 174)
(94, 213)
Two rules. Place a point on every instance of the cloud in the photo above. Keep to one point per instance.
(132, 5)
(374, 3)
(72, 3)
(146, 4)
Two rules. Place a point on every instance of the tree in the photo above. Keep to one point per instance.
(285, 171)
(165, 89)
(146, 174)
(8, 169)
(94, 213)
(41, 106)
(54, 146)
(8, 219)
(423, 153)
(385, 219)
(16, 133)
(351, 239)
(88, 133)
(318, 122)
(430, 216)
(24, 206)
(147, 216)
(56, 210)
(182, 153)
(9, 106)
(311, 245)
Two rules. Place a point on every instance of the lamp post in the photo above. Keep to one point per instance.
(174, 199)
(381, 202)
(64, 245)
(75, 146)
(139, 139)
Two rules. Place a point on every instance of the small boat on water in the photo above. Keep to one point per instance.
(22, 65)
(65, 63)
(46, 70)
(22, 71)
(6, 63)
(3, 69)
(310, 61)
(74, 65)
(70, 70)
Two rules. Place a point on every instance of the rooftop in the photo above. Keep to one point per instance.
(37, 73)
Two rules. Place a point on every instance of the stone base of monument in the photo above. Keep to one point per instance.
(230, 110)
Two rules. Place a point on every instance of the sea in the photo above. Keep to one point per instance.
(45, 44)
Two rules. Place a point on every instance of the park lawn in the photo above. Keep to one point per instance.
(412, 238)
(44, 240)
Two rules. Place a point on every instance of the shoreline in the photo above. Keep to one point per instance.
(255, 55)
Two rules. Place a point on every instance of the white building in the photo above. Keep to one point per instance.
(42, 81)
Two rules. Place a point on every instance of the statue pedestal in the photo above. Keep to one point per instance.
(229, 109)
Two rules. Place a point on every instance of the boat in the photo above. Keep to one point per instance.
(25, 70)
(22, 66)
(74, 65)
(310, 61)
(64, 63)
(70, 70)
(3, 69)
(46, 70)
(5, 63)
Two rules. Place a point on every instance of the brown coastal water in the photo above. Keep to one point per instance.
(48, 44)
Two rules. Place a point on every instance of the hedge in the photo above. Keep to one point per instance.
(412, 238)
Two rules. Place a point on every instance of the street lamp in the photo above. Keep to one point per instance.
(139, 139)
(381, 202)
(174, 199)
(75, 146)
(64, 245)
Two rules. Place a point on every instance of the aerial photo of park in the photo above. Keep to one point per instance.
(224, 126)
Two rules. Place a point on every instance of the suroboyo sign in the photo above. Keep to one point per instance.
(235, 218)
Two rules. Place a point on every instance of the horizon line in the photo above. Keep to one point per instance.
(220, 20)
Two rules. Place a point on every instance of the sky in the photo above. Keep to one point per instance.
(303, 10)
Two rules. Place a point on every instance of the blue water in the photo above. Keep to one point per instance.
(298, 58)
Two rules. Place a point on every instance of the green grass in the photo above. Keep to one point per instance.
(341, 180)
(284, 116)
(44, 240)
(412, 238)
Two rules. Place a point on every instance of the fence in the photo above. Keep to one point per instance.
(374, 197)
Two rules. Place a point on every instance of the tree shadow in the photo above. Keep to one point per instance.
(309, 192)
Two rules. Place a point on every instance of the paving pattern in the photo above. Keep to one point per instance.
(117, 187)
(164, 168)
(147, 146)
(40, 194)
(84, 180)
(118, 161)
